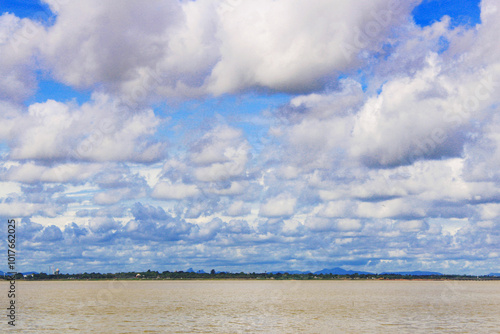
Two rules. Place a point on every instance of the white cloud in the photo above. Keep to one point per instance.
(319, 224)
(9, 188)
(103, 224)
(238, 208)
(96, 131)
(292, 45)
(336, 209)
(122, 38)
(18, 209)
(212, 147)
(18, 38)
(396, 159)
(399, 208)
(219, 172)
(412, 225)
(279, 206)
(114, 196)
(173, 48)
(31, 172)
(489, 211)
(222, 154)
(165, 190)
(407, 120)
(347, 225)
(236, 188)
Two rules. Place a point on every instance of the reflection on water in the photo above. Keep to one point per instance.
(257, 307)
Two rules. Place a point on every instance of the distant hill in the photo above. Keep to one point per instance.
(413, 273)
(340, 271)
(326, 271)
(291, 272)
(333, 271)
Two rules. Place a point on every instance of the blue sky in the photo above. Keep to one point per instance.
(464, 13)
(209, 134)
(24, 9)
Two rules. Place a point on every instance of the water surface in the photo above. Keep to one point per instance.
(257, 307)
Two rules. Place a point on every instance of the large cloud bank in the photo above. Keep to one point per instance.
(384, 156)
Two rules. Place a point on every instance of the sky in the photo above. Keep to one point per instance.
(251, 135)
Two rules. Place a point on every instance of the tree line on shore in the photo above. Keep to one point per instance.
(176, 275)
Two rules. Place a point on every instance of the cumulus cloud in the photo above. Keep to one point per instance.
(172, 48)
(384, 153)
(238, 208)
(18, 38)
(50, 234)
(96, 131)
(164, 190)
(221, 154)
(122, 39)
(293, 45)
(67, 172)
(114, 196)
(283, 205)
(425, 116)
(18, 209)
(103, 224)
(317, 224)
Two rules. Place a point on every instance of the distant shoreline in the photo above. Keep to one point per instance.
(190, 276)
(250, 279)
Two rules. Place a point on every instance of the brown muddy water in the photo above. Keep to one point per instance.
(254, 307)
